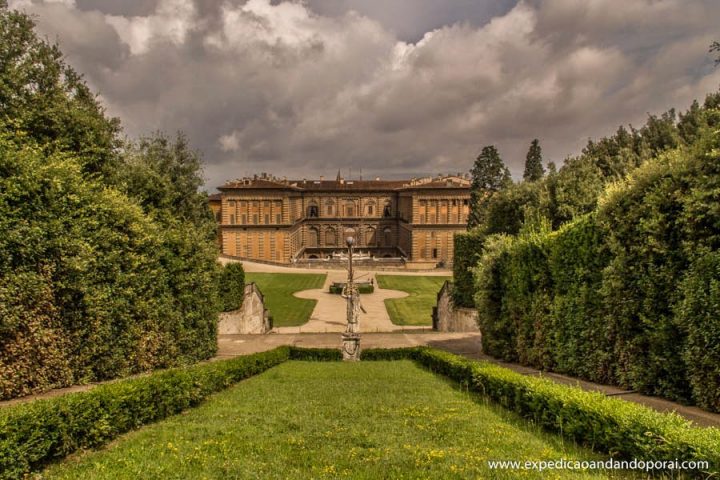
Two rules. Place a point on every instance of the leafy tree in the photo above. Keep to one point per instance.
(44, 99)
(715, 47)
(489, 175)
(534, 170)
(165, 177)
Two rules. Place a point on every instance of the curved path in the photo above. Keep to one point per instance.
(329, 313)
(330, 310)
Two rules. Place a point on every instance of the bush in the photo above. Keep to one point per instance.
(468, 249)
(384, 354)
(315, 354)
(363, 288)
(623, 295)
(231, 286)
(34, 433)
(619, 428)
(699, 315)
(92, 287)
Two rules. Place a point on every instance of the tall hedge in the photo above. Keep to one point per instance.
(107, 252)
(468, 248)
(91, 287)
(231, 286)
(627, 294)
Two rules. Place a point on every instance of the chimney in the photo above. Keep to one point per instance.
(322, 178)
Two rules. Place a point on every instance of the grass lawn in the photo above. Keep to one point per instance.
(417, 308)
(368, 420)
(278, 288)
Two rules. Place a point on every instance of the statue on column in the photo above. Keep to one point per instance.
(351, 336)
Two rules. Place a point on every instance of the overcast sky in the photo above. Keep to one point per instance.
(395, 87)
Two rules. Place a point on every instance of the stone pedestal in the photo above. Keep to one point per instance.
(351, 347)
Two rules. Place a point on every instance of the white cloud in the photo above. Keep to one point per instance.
(171, 22)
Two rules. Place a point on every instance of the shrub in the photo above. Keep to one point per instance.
(34, 433)
(600, 298)
(383, 354)
(315, 354)
(231, 286)
(624, 430)
(699, 315)
(81, 264)
(363, 288)
(468, 249)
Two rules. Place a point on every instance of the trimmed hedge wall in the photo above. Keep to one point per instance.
(626, 295)
(617, 427)
(468, 249)
(231, 286)
(37, 432)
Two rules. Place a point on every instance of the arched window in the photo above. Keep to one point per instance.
(350, 209)
(387, 209)
(313, 237)
(330, 237)
(312, 210)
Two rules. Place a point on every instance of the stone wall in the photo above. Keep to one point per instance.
(448, 318)
(251, 318)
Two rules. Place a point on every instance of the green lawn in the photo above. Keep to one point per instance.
(369, 420)
(417, 308)
(278, 288)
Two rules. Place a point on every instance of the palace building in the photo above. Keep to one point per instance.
(304, 221)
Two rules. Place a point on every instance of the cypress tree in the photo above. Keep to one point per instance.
(489, 175)
(534, 170)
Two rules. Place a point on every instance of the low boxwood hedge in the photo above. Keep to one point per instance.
(363, 288)
(34, 433)
(622, 429)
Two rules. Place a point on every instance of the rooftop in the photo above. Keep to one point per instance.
(265, 181)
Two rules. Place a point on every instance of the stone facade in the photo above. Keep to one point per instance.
(281, 221)
(449, 318)
(251, 318)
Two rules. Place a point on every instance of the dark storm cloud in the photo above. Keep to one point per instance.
(395, 87)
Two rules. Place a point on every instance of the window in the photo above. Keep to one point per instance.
(370, 210)
(387, 210)
(387, 236)
(465, 201)
(312, 211)
(313, 235)
(350, 211)
(370, 236)
(278, 218)
(244, 219)
(267, 219)
(434, 253)
(330, 238)
(232, 219)
(255, 218)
